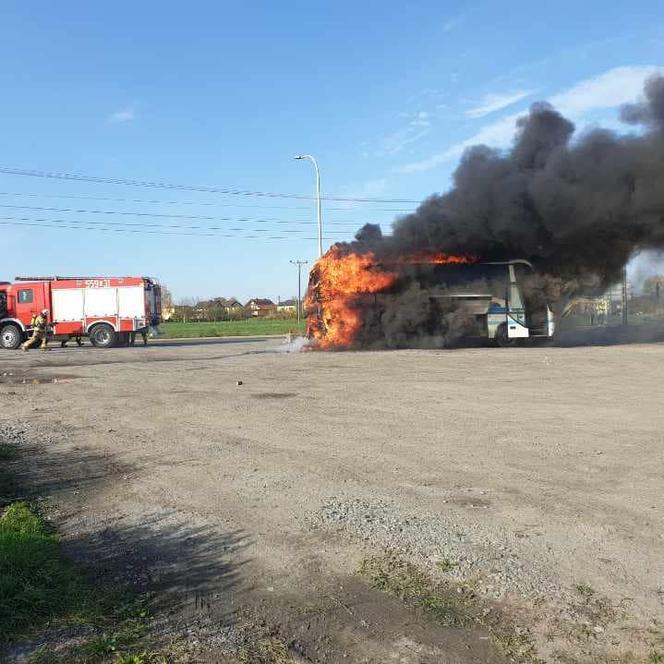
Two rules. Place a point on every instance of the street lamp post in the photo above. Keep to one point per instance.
(299, 286)
(318, 203)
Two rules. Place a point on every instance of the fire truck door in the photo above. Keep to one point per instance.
(30, 299)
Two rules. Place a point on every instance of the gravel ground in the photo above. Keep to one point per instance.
(532, 475)
(463, 547)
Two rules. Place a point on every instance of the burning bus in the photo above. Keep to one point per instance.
(355, 300)
(496, 300)
(577, 207)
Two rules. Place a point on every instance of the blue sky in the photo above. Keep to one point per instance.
(385, 95)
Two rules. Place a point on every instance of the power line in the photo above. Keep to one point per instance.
(141, 231)
(165, 226)
(116, 199)
(129, 227)
(79, 177)
(125, 213)
(68, 226)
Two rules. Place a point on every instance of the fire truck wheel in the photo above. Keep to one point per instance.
(502, 339)
(11, 337)
(102, 335)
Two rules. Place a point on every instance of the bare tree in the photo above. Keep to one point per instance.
(166, 297)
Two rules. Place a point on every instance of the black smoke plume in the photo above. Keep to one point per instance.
(576, 206)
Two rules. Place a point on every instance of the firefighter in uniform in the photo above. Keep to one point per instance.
(144, 334)
(602, 311)
(39, 331)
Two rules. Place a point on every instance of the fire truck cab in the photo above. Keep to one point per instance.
(109, 310)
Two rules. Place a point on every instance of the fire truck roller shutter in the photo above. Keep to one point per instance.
(100, 302)
(131, 302)
(67, 305)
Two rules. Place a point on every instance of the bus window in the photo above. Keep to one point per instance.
(534, 296)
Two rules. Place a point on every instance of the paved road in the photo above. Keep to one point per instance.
(530, 475)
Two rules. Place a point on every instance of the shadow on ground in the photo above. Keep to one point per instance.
(44, 469)
(211, 341)
(615, 335)
(92, 357)
(191, 570)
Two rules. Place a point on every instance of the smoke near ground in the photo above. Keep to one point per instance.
(647, 264)
(415, 317)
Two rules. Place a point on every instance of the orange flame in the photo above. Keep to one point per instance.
(336, 280)
(339, 278)
(437, 258)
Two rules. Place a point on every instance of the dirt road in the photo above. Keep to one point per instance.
(527, 483)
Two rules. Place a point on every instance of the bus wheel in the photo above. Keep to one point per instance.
(502, 339)
(10, 337)
(102, 335)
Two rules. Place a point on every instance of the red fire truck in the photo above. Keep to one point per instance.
(109, 310)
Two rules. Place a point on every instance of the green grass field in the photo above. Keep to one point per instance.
(231, 328)
(36, 583)
(41, 588)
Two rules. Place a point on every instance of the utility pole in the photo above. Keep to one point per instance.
(299, 264)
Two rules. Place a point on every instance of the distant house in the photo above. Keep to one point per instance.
(260, 307)
(232, 305)
(200, 311)
(218, 308)
(167, 313)
(287, 306)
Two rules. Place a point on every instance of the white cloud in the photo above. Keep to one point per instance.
(419, 119)
(426, 93)
(492, 102)
(610, 89)
(366, 189)
(417, 127)
(453, 22)
(373, 187)
(125, 115)
(497, 134)
(427, 164)
(396, 142)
